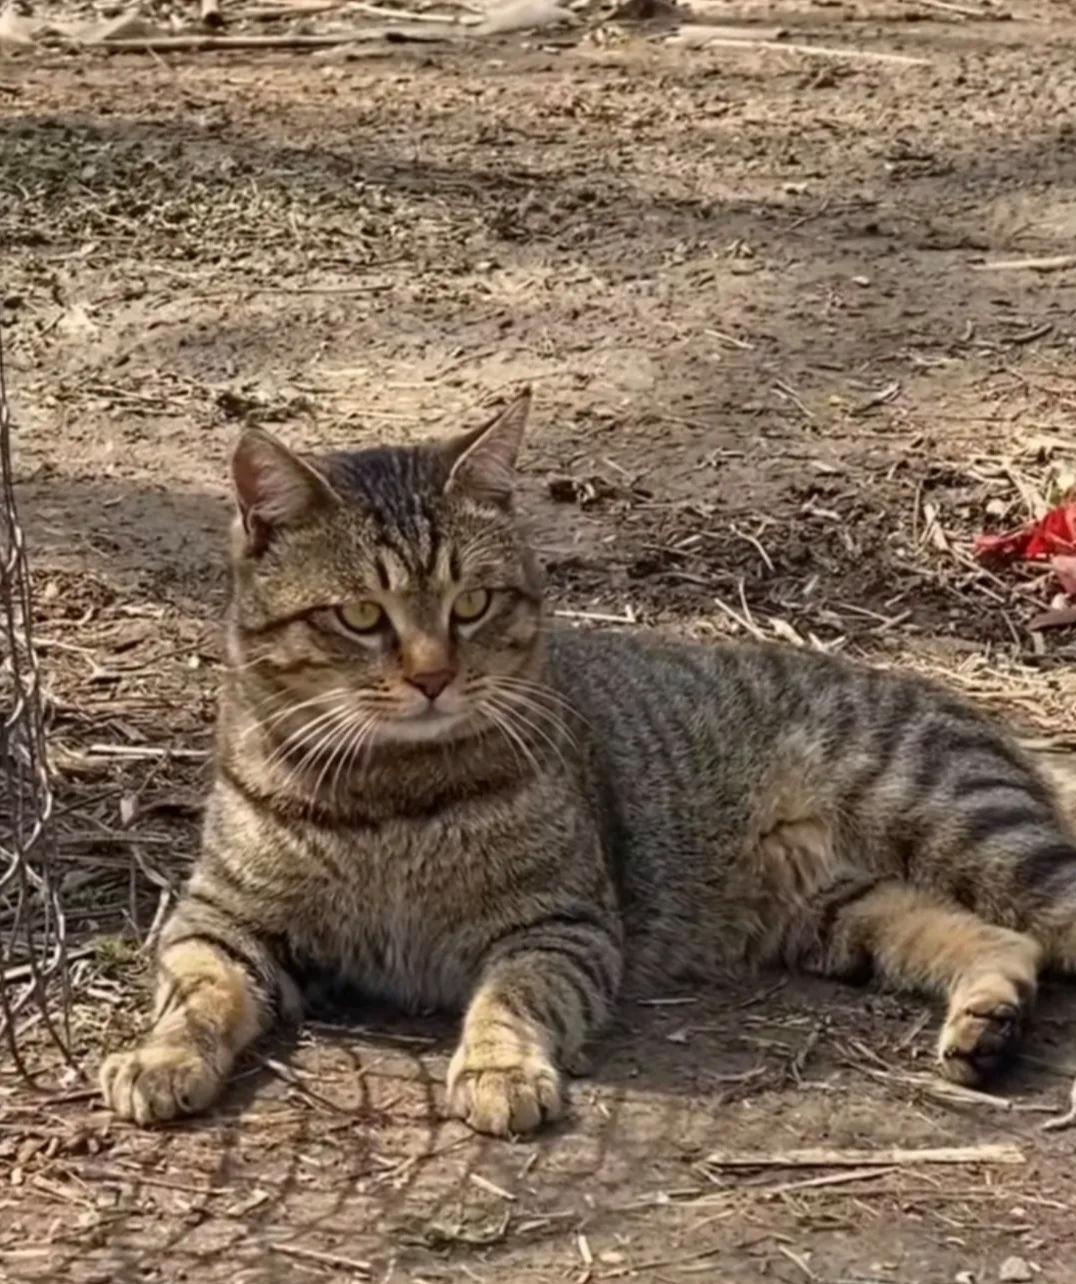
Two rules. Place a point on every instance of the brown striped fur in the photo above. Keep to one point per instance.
(495, 817)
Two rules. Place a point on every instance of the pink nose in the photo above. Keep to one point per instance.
(431, 684)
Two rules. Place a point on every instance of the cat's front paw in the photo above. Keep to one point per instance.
(503, 1092)
(158, 1081)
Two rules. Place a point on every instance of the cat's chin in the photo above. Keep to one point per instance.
(425, 729)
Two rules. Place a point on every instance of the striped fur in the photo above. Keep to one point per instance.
(570, 813)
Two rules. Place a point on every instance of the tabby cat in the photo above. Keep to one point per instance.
(424, 789)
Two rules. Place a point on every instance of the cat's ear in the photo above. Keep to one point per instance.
(274, 487)
(483, 462)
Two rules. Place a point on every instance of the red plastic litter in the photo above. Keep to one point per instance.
(1053, 536)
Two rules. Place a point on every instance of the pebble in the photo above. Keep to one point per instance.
(1014, 1270)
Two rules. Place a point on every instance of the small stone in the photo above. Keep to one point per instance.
(1014, 1270)
(127, 26)
(524, 15)
(964, 1277)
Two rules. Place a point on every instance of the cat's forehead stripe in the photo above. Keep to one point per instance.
(434, 562)
(397, 572)
(394, 488)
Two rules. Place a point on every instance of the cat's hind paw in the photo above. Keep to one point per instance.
(981, 1031)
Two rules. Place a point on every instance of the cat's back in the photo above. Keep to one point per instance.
(650, 692)
(682, 732)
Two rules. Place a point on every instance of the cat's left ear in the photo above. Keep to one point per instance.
(483, 461)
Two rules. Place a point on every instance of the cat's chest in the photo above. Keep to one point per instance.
(388, 912)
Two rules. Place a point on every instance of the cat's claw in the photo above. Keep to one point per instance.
(158, 1082)
(503, 1100)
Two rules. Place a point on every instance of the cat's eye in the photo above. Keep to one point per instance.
(361, 617)
(471, 605)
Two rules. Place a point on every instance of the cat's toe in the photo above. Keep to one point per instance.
(158, 1082)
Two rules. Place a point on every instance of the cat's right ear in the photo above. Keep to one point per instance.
(274, 488)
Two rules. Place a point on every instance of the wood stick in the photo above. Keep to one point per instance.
(819, 1157)
(483, 1183)
(172, 44)
(1061, 618)
(360, 287)
(818, 51)
(600, 617)
(409, 15)
(22, 970)
(945, 1091)
(1050, 264)
(276, 12)
(1067, 1119)
(325, 1259)
(139, 752)
(827, 1179)
(943, 6)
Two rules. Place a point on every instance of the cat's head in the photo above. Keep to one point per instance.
(387, 595)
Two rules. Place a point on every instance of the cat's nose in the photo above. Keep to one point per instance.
(433, 682)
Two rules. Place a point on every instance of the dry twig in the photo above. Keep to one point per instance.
(944, 6)
(820, 1157)
(280, 12)
(410, 15)
(1067, 1119)
(323, 1259)
(166, 44)
(1053, 263)
(818, 51)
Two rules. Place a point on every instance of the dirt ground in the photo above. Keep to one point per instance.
(779, 387)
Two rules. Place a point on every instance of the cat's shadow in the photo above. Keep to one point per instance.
(767, 1035)
(350, 1107)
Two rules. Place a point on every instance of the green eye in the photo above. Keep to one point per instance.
(471, 605)
(361, 617)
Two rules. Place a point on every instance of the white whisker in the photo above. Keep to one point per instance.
(320, 698)
(308, 731)
(541, 711)
(536, 728)
(522, 695)
(493, 718)
(335, 744)
(501, 719)
(541, 690)
(354, 746)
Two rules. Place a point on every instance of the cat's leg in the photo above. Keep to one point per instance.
(217, 989)
(918, 940)
(542, 995)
